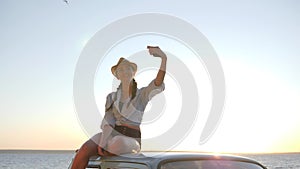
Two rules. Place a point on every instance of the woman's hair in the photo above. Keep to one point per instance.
(133, 88)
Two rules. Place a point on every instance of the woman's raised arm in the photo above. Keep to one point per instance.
(157, 52)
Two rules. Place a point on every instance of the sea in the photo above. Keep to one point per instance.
(52, 159)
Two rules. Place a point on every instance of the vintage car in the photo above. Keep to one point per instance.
(174, 160)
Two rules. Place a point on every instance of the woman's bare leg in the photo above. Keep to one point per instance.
(88, 149)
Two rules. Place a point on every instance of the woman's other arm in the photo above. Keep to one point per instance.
(106, 131)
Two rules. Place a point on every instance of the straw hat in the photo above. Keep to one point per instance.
(123, 61)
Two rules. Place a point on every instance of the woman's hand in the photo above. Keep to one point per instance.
(100, 151)
(103, 152)
(156, 51)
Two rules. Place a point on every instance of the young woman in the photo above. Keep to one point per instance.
(123, 113)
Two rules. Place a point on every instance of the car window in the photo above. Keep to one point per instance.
(210, 164)
(123, 165)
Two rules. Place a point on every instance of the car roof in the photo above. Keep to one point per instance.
(157, 157)
(145, 156)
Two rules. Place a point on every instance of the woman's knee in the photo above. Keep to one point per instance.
(89, 148)
(85, 150)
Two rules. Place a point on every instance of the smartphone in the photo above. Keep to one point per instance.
(152, 47)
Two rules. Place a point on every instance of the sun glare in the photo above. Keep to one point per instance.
(260, 115)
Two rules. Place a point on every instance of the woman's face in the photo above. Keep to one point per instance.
(125, 73)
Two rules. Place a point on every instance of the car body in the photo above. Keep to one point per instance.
(174, 160)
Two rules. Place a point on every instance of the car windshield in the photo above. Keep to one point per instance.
(210, 164)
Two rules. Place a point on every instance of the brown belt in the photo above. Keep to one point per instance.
(126, 131)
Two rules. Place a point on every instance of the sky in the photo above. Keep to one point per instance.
(257, 43)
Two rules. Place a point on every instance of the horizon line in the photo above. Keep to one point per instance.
(74, 150)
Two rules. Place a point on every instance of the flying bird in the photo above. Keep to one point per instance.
(66, 2)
